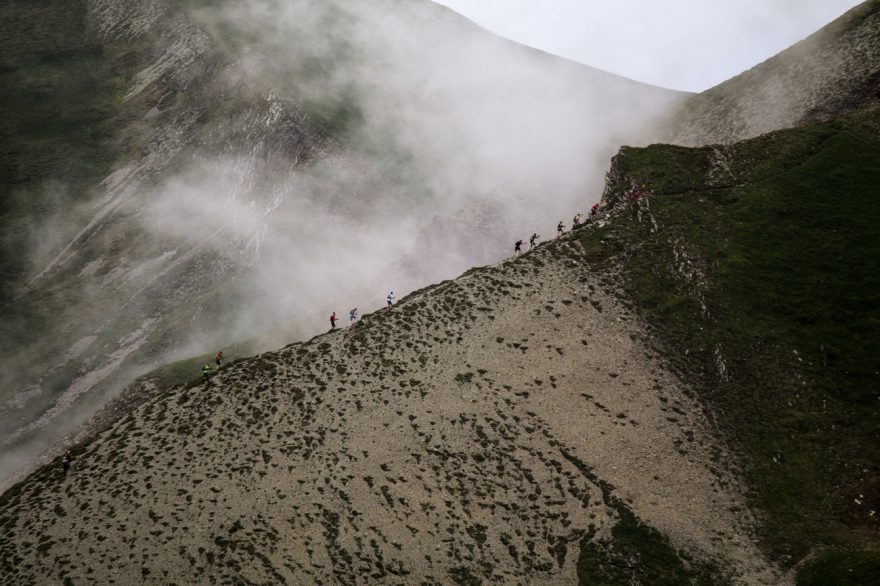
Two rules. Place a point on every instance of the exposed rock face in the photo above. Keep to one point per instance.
(474, 431)
(833, 71)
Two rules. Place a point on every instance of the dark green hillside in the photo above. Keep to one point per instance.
(758, 266)
(59, 95)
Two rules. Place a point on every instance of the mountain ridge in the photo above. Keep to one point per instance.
(832, 71)
(120, 252)
(738, 278)
(615, 358)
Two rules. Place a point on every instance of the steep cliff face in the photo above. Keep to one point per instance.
(174, 171)
(831, 72)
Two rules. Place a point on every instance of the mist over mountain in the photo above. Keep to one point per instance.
(181, 175)
(657, 397)
(682, 390)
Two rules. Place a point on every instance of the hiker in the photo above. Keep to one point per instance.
(353, 314)
(219, 359)
(533, 240)
(594, 210)
(632, 193)
(206, 373)
(560, 228)
(517, 247)
(333, 321)
(66, 461)
(576, 221)
(390, 299)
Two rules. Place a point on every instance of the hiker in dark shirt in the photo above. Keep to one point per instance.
(66, 461)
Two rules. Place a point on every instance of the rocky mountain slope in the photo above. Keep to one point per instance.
(681, 392)
(831, 72)
(102, 100)
(172, 171)
(513, 425)
(664, 396)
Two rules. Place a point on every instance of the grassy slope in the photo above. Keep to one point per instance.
(787, 244)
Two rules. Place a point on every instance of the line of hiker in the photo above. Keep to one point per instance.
(576, 223)
(635, 192)
(206, 368)
(353, 313)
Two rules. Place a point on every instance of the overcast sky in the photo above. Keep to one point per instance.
(682, 44)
